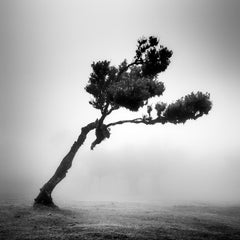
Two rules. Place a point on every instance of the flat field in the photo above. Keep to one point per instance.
(104, 220)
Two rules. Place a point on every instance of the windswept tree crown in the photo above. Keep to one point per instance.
(131, 85)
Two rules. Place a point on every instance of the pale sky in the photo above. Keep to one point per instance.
(46, 49)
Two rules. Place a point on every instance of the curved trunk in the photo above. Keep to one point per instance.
(44, 197)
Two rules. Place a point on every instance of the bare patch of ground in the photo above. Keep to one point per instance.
(119, 221)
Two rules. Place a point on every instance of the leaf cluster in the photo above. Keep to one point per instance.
(192, 106)
(134, 93)
(154, 59)
(129, 85)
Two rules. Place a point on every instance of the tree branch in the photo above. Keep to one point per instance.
(147, 121)
(136, 62)
(104, 114)
(112, 109)
(136, 120)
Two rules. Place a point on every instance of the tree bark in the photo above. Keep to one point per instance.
(44, 197)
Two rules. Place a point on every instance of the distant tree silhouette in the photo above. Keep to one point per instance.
(130, 86)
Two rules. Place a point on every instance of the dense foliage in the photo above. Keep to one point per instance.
(131, 85)
(191, 106)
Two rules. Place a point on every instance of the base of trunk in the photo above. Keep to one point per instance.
(44, 199)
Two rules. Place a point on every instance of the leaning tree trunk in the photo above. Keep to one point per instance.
(44, 197)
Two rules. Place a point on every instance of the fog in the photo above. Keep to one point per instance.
(46, 51)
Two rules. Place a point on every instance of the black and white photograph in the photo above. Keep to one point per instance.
(119, 119)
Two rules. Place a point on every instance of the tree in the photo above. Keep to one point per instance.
(130, 86)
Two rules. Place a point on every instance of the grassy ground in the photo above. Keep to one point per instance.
(119, 221)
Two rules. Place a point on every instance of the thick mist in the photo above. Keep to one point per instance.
(47, 48)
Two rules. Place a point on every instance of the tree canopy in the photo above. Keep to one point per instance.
(131, 85)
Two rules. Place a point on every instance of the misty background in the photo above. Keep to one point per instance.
(46, 51)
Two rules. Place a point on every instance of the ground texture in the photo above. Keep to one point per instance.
(119, 221)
